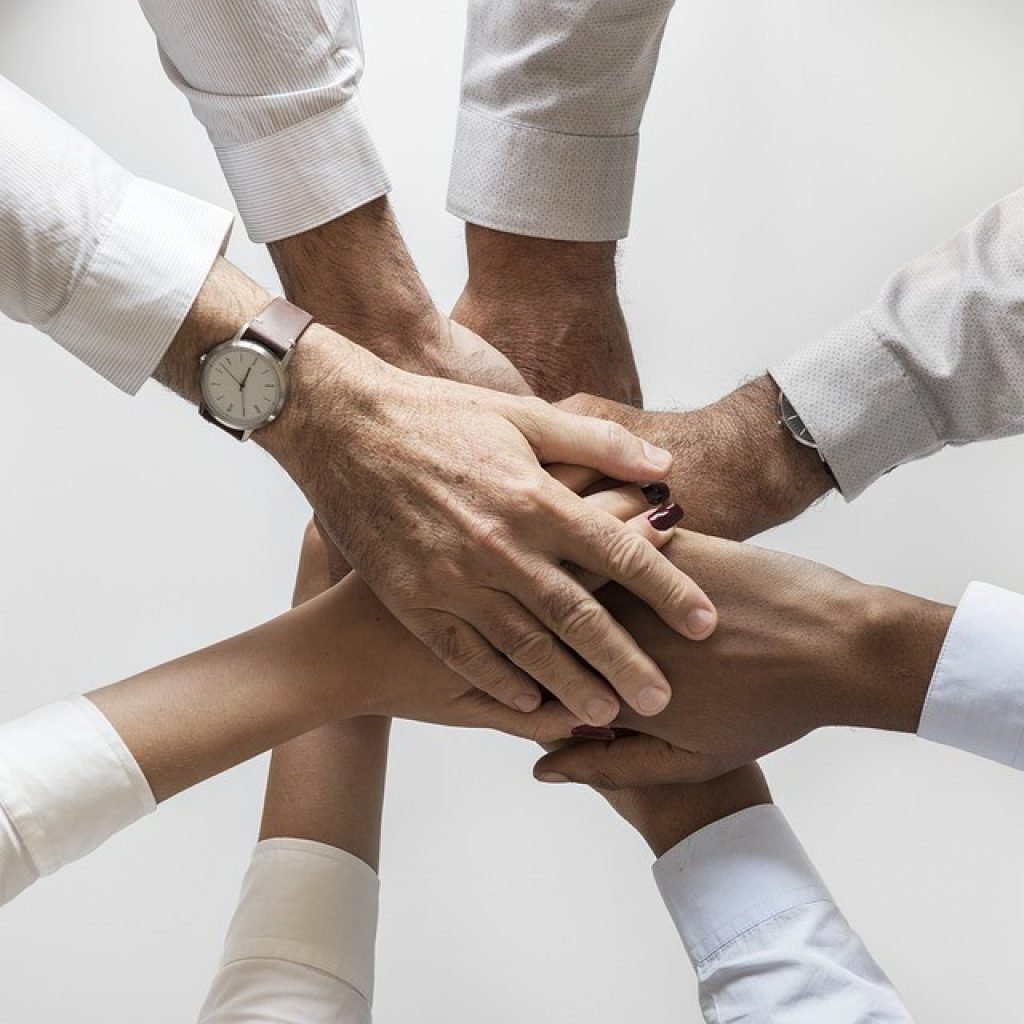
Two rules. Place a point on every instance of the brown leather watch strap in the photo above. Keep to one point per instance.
(279, 326)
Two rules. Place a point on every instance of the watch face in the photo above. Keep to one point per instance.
(242, 385)
(794, 423)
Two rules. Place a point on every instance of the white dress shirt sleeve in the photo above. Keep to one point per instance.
(276, 85)
(937, 360)
(553, 93)
(975, 700)
(67, 784)
(105, 263)
(763, 933)
(300, 947)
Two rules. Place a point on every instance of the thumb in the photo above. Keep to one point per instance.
(599, 444)
(620, 764)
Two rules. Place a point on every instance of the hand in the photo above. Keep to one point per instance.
(799, 647)
(736, 471)
(402, 678)
(418, 466)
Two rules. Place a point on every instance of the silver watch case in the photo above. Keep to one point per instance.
(279, 364)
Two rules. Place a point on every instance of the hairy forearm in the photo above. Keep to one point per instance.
(356, 275)
(552, 308)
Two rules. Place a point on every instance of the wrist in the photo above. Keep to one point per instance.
(892, 658)
(777, 477)
(501, 264)
(666, 815)
(333, 385)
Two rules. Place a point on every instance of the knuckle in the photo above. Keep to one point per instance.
(583, 622)
(604, 780)
(533, 649)
(629, 557)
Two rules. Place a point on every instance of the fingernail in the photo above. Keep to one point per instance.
(699, 621)
(657, 456)
(656, 494)
(665, 518)
(551, 777)
(652, 699)
(601, 712)
(593, 732)
(527, 702)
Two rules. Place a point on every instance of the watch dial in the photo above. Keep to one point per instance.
(242, 386)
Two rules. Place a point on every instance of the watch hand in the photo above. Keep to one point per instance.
(245, 378)
(232, 376)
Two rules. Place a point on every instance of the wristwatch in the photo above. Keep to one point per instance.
(243, 382)
(793, 422)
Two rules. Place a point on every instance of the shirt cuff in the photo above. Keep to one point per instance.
(310, 904)
(68, 782)
(733, 876)
(531, 181)
(858, 404)
(976, 697)
(140, 282)
(306, 175)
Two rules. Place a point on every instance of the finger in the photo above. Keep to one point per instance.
(531, 646)
(559, 436)
(573, 614)
(468, 654)
(576, 478)
(657, 528)
(550, 723)
(622, 502)
(621, 764)
(602, 546)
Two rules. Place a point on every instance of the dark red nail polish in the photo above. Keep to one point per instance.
(594, 732)
(665, 518)
(656, 494)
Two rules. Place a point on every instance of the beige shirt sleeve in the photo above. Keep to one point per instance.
(937, 360)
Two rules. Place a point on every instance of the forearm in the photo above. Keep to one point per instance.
(202, 714)
(328, 786)
(552, 308)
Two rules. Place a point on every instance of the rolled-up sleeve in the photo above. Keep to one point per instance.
(67, 784)
(276, 85)
(553, 94)
(937, 360)
(300, 948)
(975, 699)
(763, 932)
(106, 264)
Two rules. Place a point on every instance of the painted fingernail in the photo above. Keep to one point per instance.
(593, 732)
(601, 712)
(527, 702)
(652, 699)
(665, 518)
(656, 494)
(699, 621)
(657, 456)
(551, 777)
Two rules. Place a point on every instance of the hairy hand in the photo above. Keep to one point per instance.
(735, 470)
(402, 678)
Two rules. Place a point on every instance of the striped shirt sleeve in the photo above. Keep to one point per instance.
(277, 88)
(106, 264)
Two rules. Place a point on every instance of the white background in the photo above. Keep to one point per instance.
(794, 153)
